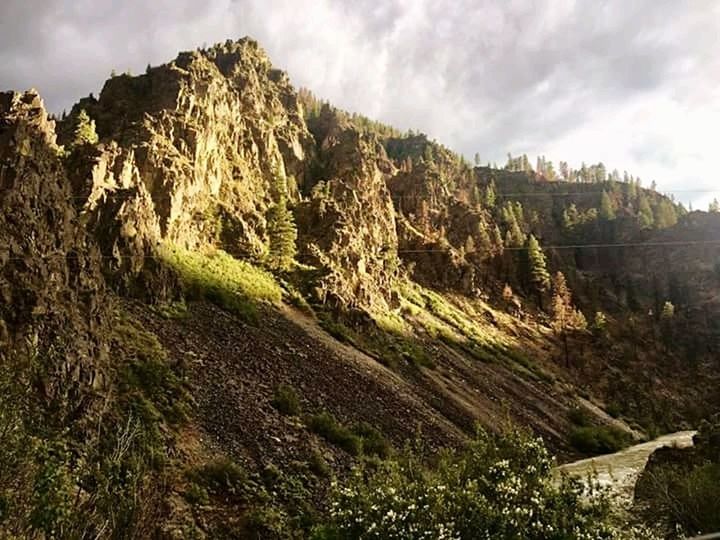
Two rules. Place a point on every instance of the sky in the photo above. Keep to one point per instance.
(632, 83)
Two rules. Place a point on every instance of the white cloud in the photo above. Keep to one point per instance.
(632, 84)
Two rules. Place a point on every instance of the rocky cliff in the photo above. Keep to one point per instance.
(52, 295)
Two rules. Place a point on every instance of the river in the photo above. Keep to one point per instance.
(620, 471)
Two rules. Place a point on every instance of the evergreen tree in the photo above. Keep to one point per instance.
(571, 216)
(477, 159)
(565, 318)
(607, 209)
(490, 195)
(645, 213)
(665, 215)
(539, 276)
(470, 245)
(599, 325)
(484, 238)
(668, 311)
(497, 239)
(714, 206)
(282, 234)
(84, 132)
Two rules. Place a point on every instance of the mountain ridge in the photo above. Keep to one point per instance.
(147, 234)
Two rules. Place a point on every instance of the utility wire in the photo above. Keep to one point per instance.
(410, 251)
(590, 246)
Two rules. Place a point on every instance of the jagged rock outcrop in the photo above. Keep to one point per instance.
(52, 301)
(214, 136)
(440, 209)
(195, 152)
(117, 209)
(348, 225)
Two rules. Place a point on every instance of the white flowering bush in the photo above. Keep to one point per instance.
(501, 487)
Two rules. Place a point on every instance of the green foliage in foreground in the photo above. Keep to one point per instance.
(683, 491)
(217, 277)
(500, 487)
(102, 476)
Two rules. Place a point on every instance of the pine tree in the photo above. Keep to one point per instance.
(470, 245)
(668, 311)
(665, 215)
(645, 213)
(497, 239)
(571, 216)
(565, 318)
(484, 238)
(714, 206)
(282, 234)
(539, 276)
(84, 132)
(477, 159)
(490, 195)
(607, 210)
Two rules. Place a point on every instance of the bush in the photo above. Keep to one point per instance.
(286, 401)
(318, 466)
(501, 487)
(614, 410)
(325, 425)
(598, 440)
(681, 488)
(374, 442)
(221, 477)
(579, 416)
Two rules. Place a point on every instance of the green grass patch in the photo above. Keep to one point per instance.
(362, 439)
(172, 310)
(215, 276)
(221, 477)
(325, 425)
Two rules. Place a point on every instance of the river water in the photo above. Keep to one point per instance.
(620, 471)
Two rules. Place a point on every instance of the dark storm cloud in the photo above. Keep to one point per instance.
(588, 80)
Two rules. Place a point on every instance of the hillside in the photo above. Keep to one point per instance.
(217, 292)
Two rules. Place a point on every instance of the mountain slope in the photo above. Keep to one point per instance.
(140, 288)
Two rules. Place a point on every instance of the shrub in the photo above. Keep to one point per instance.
(221, 477)
(374, 442)
(286, 401)
(614, 410)
(501, 487)
(578, 416)
(598, 439)
(325, 425)
(317, 465)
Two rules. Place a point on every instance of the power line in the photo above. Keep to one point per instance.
(565, 193)
(589, 246)
(411, 251)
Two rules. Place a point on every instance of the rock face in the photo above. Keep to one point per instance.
(348, 224)
(214, 136)
(51, 289)
(195, 152)
(439, 209)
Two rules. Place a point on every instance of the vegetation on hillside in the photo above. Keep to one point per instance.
(499, 487)
(216, 276)
(107, 474)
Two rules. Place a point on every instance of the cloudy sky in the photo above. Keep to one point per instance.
(632, 83)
